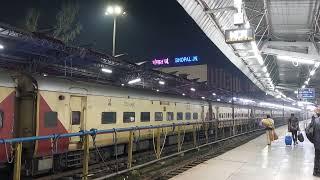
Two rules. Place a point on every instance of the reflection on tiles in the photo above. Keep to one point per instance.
(256, 160)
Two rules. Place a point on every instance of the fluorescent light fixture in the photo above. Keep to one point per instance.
(110, 10)
(293, 59)
(218, 100)
(1, 46)
(202, 97)
(264, 104)
(106, 70)
(157, 90)
(183, 94)
(162, 83)
(117, 9)
(193, 89)
(229, 101)
(304, 86)
(122, 84)
(293, 104)
(267, 74)
(276, 90)
(45, 74)
(306, 82)
(278, 96)
(234, 98)
(296, 92)
(312, 72)
(317, 64)
(246, 100)
(134, 81)
(214, 94)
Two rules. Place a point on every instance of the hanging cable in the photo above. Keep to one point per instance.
(93, 136)
(115, 141)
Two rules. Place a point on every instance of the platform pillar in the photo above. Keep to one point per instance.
(206, 132)
(17, 161)
(130, 148)
(179, 139)
(194, 134)
(86, 156)
(158, 143)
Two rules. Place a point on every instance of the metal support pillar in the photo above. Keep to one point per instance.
(158, 143)
(17, 161)
(130, 148)
(194, 134)
(86, 156)
(179, 139)
(206, 132)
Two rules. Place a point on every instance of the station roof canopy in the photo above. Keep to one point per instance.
(285, 53)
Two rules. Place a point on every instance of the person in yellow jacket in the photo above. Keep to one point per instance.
(268, 123)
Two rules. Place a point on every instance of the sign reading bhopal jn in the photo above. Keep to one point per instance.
(306, 93)
(175, 61)
(239, 35)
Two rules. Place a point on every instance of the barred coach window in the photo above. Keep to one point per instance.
(108, 117)
(179, 116)
(50, 119)
(129, 117)
(158, 116)
(188, 116)
(195, 116)
(170, 116)
(76, 115)
(145, 116)
(1, 118)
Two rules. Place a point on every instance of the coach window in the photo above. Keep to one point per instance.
(188, 116)
(1, 118)
(158, 116)
(145, 116)
(129, 117)
(108, 117)
(195, 116)
(179, 116)
(76, 117)
(50, 119)
(170, 116)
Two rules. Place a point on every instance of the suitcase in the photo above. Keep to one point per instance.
(288, 140)
(300, 137)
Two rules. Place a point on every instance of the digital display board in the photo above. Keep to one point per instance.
(239, 35)
(176, 61)
(306, 93)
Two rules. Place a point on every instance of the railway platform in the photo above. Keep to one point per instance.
(257, 160)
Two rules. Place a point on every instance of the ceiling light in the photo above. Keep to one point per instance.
(117, 10)
(317, 64)
(193, 89)
(157, 90)
(1, 46)
(162, 83)
(45, 74)
(110, 10)
(306, 82)
(183, 94)
(218, 100)
(296, 92)
(278, 96)
(293, 59)
(122, 84)
(267, 74)
(106, 70)
(247, 25)
(214, 94)
(134, 81)
(230, 101)
(304, 86)
(203, 97)
(312, 72)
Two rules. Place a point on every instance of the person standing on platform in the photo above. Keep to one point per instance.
(268, 123)
(293, 127)
(316, 142)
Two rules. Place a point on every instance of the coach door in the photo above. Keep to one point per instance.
(77, 115)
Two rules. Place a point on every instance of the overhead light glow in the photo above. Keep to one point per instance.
(293, 59)
(162, 82)
(246, 100)
(1, 46)
(278, 106)
(214, 94)
(106, 70)
(183, 94)
(117, 10)
(304, 86)
(134, 81)
(157, 90)
(202, 97)
(317, 64)
(45, 74)
(122, 84)
(218, 100)
(110, 10)
(306, 82)
(296, 92)
(278, 96)
(193, 89)
(264, 69)
(247, 25)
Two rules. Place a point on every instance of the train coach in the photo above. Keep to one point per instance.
(38, 106)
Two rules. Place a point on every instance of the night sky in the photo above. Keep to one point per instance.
(151, 28)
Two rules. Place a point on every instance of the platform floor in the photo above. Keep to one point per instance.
(256, 160)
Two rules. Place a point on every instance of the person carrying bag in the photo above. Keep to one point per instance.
(268, 123)
(313, 134)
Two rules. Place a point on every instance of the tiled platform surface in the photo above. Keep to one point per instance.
(256, 160)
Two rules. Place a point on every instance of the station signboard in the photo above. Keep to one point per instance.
(306, 93)
(239, 35)
(176, 61)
